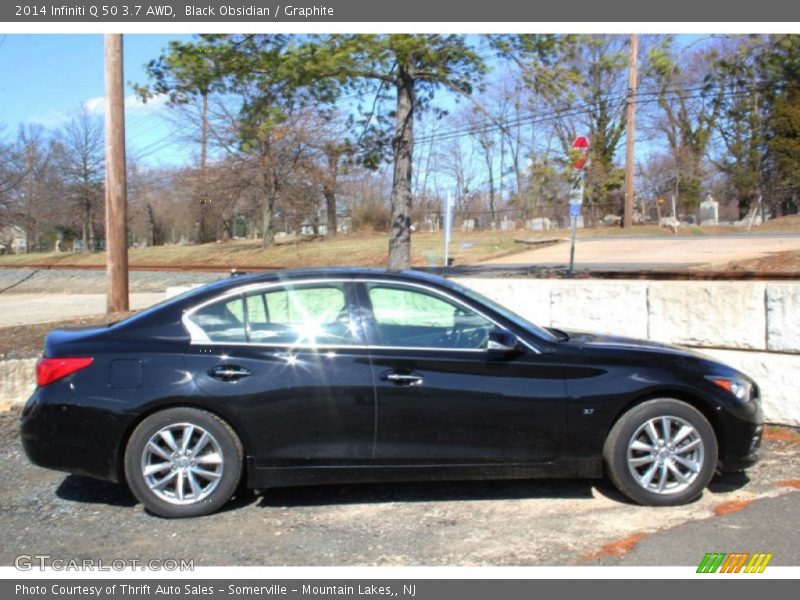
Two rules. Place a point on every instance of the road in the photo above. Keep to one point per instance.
(660, 252)
(27, 309)
(766, 526)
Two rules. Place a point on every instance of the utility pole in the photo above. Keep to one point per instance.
(630, 132)
(116, 186)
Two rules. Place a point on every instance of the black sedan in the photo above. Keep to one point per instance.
(355, 375)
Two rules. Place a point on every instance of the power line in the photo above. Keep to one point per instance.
(643, 98)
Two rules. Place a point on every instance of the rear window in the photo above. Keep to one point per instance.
(222, 321)
(308, 315)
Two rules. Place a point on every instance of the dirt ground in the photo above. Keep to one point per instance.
(777, 262)
(544, 522)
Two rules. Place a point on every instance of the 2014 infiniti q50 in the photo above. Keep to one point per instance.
(352, 375)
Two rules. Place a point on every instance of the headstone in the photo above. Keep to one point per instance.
(468, 225)
(344, 225)
(306, 228)
(507, 225)
(709, 211)
(539, 224)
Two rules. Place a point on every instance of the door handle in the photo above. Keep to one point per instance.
(228, 372)
(401, 378)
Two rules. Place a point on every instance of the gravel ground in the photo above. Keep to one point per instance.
(68, 281)
(546, 522)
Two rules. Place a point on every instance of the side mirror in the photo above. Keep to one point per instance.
(502, 343)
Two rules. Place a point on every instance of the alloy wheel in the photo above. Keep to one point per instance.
(182, 463)
(665, 455)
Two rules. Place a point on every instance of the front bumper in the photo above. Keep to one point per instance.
(742, 447)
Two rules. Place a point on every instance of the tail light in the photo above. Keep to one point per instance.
(49, 370)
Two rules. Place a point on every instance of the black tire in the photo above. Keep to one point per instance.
(628, 464)
(220, 455)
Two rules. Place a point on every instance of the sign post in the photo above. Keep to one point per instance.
(448, 227)
(576, 193)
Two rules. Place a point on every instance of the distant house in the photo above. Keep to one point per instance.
(13, 240)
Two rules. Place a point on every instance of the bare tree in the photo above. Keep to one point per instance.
(83, 147)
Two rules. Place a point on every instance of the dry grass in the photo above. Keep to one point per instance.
(775, 262)
(367, 249)
(352, 250)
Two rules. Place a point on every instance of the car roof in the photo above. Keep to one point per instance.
(324, 273)
(172, 308)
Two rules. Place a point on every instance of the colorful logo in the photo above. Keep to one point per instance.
(738, 562)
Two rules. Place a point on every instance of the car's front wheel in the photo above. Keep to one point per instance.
(662, 452)
(183, 462)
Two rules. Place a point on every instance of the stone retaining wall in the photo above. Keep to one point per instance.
(753, 326)
(17, 380)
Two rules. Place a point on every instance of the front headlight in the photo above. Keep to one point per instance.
(741, 388)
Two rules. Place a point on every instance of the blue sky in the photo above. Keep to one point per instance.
(45, 78)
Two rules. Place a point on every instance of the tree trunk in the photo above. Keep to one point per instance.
(746, 203)
(202, 196)
(86, 224)
(329, 191)
(491, 186)
(402, 148)
(90, 226)
(151, 226)
(271, 192)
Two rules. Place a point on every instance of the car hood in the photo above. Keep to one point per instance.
(614, 342)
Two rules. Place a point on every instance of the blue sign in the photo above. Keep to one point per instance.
(574, 211)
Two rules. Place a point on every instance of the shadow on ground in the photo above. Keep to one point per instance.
(427, 492)
(728, 482)
(76, 488)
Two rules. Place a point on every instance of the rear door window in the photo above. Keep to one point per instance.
(310, 315)
(222, 321)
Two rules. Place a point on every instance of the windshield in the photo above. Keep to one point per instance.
(506, 313)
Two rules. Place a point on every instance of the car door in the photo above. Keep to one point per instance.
(289, 362)
(442, 397)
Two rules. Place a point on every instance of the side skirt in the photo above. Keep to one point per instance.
(268, 477)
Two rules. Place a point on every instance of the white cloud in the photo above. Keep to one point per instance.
(134, 107)
(97, 105)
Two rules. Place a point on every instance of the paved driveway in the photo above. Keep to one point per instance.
(673, 252)
(26, 309)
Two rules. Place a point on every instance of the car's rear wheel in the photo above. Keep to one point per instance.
(662, 452)
(183, 462)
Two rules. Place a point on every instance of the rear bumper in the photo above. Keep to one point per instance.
(76, 439)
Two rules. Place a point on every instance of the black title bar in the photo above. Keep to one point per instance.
(414, 11)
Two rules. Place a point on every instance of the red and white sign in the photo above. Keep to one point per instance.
(582, 144)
